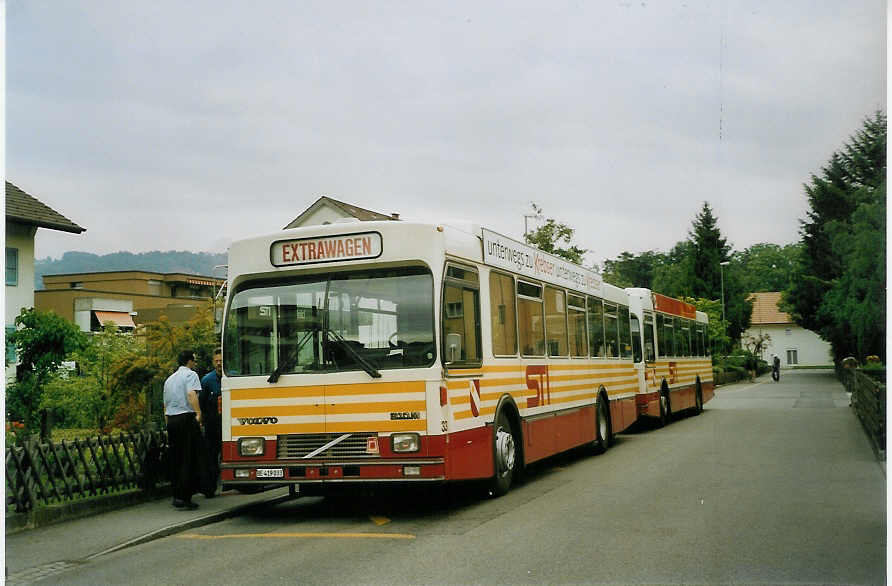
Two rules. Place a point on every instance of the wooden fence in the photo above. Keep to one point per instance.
(47, 473)
(869, 401)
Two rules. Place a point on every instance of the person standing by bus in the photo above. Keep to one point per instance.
(209, 399)
(183, 415)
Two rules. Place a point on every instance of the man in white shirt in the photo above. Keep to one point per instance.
(183, 415)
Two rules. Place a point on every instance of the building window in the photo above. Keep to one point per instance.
(77, 285)
(792, 357)
(12, 266)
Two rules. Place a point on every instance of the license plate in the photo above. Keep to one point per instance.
(270, 473)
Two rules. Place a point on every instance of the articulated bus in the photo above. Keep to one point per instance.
(373, 352)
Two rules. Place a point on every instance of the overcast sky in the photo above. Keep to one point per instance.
(185, 125)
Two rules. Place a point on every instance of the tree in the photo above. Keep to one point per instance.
(738, 306)
(719, 341)
(164, 341)
(839, 289)
(767, 267)
(104, 384)
(550, 236)
(43, 341)
(674, 276)
(629, 270)
(756, 343)
(708, 250)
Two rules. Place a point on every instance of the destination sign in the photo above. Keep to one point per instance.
(506, 253)
(326, 249)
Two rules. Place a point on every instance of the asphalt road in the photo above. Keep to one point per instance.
(772, 483)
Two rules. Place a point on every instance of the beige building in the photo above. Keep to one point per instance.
(795, 345)
(126, 298)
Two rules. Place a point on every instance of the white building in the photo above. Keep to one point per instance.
(24, 215)
(326, 210)
(795, 345)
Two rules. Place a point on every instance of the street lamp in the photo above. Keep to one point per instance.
(526, 217)
(722, 274)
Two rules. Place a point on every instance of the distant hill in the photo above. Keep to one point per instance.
(191, 263)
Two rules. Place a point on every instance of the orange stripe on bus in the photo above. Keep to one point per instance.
(336, 409)
(328, 390)
(277, 393)
(356, 426)
(330, 427)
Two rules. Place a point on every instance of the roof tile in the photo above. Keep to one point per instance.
(26, 209)
(766, 309)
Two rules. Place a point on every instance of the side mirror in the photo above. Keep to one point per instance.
(453, 347)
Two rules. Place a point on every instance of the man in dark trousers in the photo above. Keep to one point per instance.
(183, 415)
(209, 399)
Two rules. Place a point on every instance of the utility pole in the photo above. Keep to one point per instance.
(722, 265)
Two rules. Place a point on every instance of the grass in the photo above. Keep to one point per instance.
(73, 434)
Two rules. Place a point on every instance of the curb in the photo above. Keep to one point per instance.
(192, 524)
(43, 516)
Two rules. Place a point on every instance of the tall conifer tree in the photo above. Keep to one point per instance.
(839, 289)
(708, 250)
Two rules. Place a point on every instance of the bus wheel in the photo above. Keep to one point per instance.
(505, 453)
(602, 422)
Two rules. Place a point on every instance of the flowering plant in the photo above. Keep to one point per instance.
(15, 432)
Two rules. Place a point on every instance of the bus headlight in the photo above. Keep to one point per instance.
(405, 442)
(251, 446)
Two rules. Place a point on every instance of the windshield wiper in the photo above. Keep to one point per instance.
(359, 358)
(290, 360)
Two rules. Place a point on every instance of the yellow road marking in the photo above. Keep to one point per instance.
(301, 536)
(379, 520)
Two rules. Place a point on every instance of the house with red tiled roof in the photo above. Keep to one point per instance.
(326, 210)
(795, 345)
(24, 215)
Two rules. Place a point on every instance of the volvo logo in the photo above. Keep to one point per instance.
(257, 420)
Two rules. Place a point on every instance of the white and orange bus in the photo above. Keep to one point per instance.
(393, 351)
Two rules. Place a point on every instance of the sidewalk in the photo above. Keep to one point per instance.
(36, 553)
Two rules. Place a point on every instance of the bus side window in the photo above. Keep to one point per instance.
(503, 318)
(530, 319)
(611, 330)
(555, 322)
(649, 347)
(625, 341)
(667, 340)
(636, 339)
(576, 316)
(461, 316)
(661, 333)
(596, 327)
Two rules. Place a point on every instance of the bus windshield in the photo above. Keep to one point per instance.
(361, 320)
